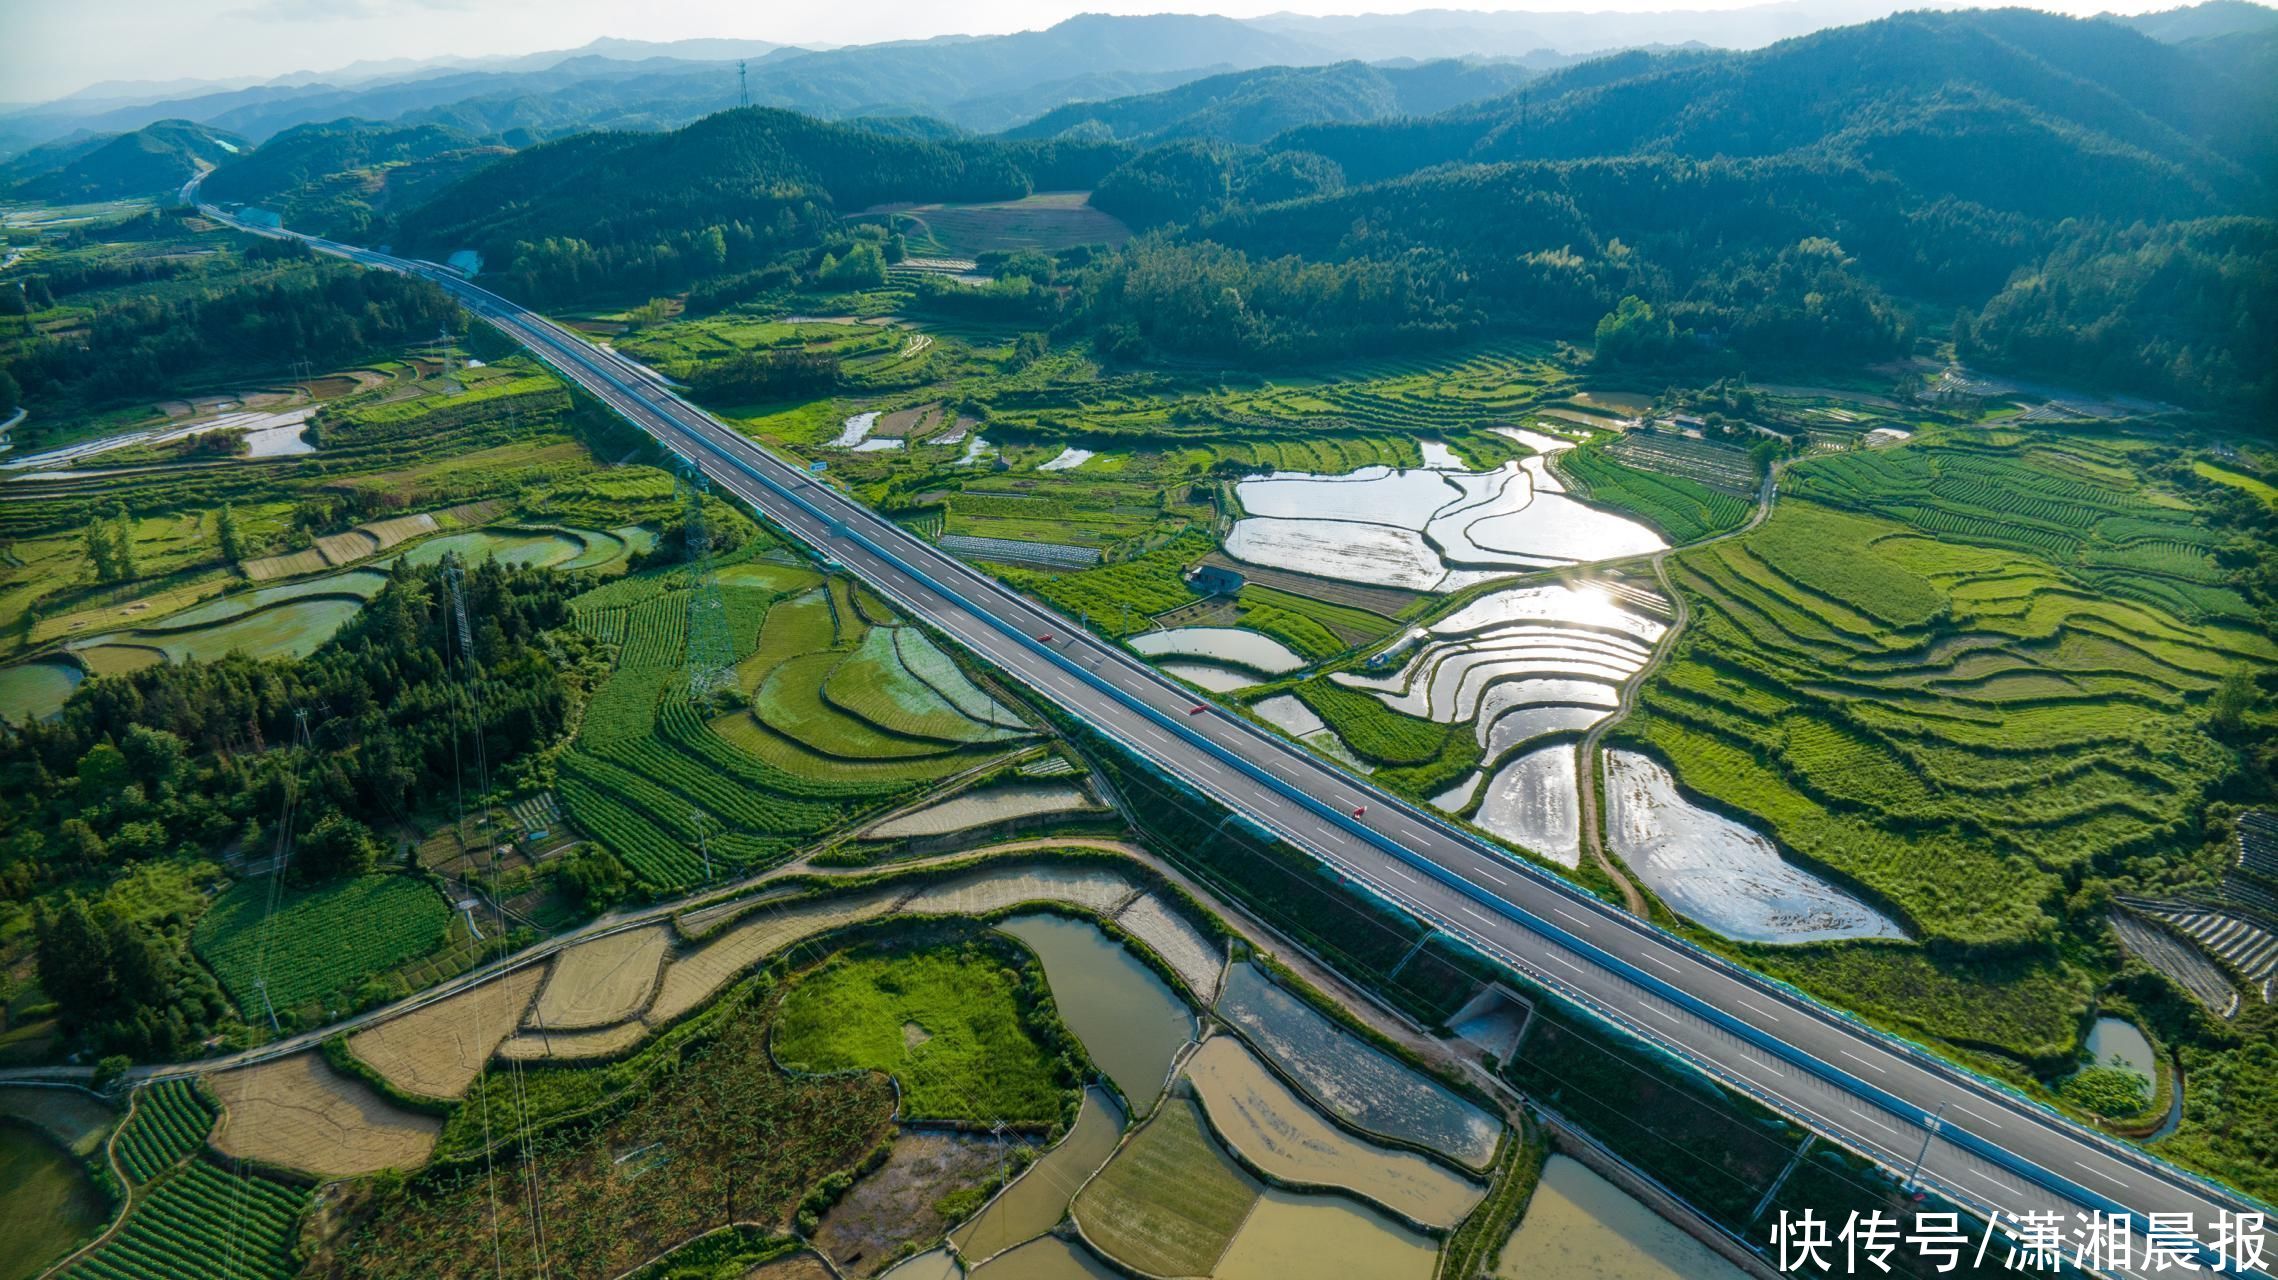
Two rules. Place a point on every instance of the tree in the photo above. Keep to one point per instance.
(595, 876)
(11, 394)
(337, 845)
(226, 530)
(74, 958)
(2232, 700)
(1633, 334)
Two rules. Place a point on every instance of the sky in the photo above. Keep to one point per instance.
(49, 48)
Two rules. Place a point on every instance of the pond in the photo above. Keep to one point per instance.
(1718, 872)
(2119, 1038)
(1233, 646)
(1130, 1021)
(48, 1204)
(32, 691)
(1579, 1224)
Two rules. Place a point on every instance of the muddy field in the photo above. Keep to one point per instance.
(895, 1204)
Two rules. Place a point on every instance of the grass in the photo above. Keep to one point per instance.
(950, 1023)
(1374, 731)
(321, 942)
(2259, 488)
(1170, 1200)
(1120, 598)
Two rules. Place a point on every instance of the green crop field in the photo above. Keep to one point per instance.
(1952, 711)
(1682, 508)
(200, 1221)
(321, 942)
(1171, 1199)
(950, 1023)
(765, 780)
(171, 1118)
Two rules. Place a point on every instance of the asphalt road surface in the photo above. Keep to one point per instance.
(1970, 1140)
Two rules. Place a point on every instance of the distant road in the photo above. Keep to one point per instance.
(1975, 1142)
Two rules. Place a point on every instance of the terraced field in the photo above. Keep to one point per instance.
(845, 717)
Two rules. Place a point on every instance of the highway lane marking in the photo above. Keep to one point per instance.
(1975, 1116)
(1757, 1007)
(2101, 1174)
(1492, 876)
(1395, 869)
(1647, 955)
(1475, 915)
(1571, 916)
(1564, 961)
(1871, 1120)
(1861, 1061)
(1656, 1009)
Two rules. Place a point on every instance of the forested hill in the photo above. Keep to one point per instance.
(2092, 202)
(2009, 108)
(726, 192)
(149, 161)
(338, 179)
(1254, 106)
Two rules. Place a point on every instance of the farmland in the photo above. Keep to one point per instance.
(847, 711)
(319, 943)
(1975, 700)
(948, 1023)
(170, 1120)
(200, 1221)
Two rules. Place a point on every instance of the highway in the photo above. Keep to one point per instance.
(1973, 1141)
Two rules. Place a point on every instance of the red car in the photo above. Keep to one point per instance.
(1197, 709)
(1361, 812)
(1046, 638)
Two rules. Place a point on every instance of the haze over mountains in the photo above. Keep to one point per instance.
(983, 83)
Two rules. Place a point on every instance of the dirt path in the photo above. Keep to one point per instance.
(127, 1192)
(1586, 756)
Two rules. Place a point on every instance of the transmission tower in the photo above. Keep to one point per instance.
(743, 86)
(711, 650)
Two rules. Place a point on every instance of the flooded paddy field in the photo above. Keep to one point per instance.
(1430, 528)
(1131, 1022)
(1039, 1197)
(1579, 1224)
(1269, 1126)
(1534, 802)
(1719, 873)
(1289, 1233)
(1352, 1078)
(32, 691)
(1232, 646)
